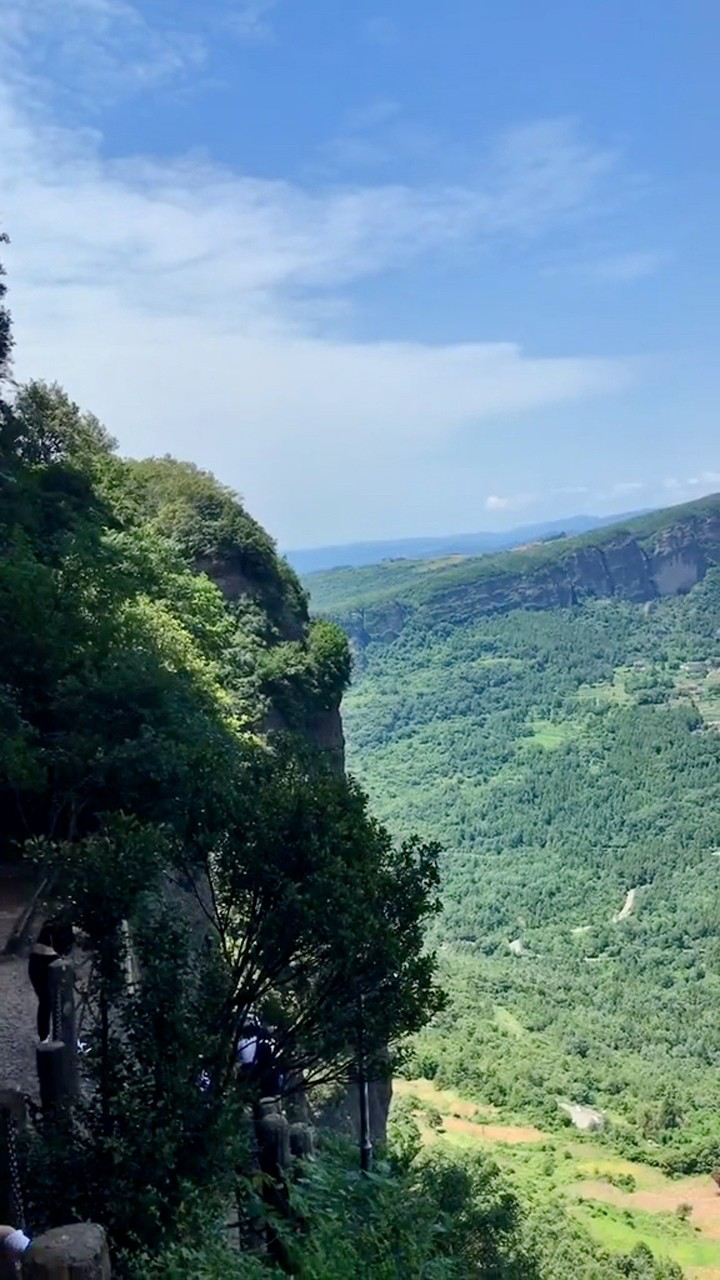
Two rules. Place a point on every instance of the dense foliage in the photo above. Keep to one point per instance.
(564, 758)
(420, 1216)
(159, 691)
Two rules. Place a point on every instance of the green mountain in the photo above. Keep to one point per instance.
(663, 553)
(551, 715)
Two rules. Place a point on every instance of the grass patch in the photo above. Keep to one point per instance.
(563, 1171)
(551, 734)
(508, 1022)
(446, 1101)
(608, 691)
(620, 1230)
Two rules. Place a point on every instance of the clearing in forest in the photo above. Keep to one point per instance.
(464, 1119)
(446, 1101)
(582, 1176)
(699, 1194)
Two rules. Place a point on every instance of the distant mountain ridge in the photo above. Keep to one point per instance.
(661, 554)
(354, 554)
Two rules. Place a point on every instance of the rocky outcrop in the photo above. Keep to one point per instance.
(230, 574)
(323, 728)
(619, 565)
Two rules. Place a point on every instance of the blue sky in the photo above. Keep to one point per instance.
(387, 268)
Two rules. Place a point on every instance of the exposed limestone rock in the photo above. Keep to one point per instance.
(624, 567)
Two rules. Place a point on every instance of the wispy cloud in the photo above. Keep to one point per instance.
(95, 51)
(628, 266)
(380, 31)
(680, 488)
(544, 170)
(572, 490)
(602, 264)
(251, 19)
(508, 502)
(373, 114)
(380, 134)
(192, 306)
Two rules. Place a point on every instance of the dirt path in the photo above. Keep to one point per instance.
(17, 999)
(512, 1133)
(627, 907)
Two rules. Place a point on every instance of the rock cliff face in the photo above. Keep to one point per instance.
(323, 728)
(623, 566)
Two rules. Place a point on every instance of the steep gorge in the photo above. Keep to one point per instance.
(550, 716)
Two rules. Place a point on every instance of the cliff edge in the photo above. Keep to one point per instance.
(664, 554)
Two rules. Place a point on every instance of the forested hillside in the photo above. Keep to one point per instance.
(644, 558)
(568, 759)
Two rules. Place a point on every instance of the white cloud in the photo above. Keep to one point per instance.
(514, 502)
(192, 308)
(94, 50)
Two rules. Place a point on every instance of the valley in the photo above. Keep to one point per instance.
(617, 1201)
(567, 758)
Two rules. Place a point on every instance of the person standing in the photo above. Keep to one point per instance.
(54, 941)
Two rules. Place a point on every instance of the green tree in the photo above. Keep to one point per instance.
(6, 339)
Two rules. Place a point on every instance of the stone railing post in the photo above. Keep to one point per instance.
(77, 1252)
(272, 1136)
(53, 1079)
(62, 991)
(272, 1133)
(302, 1140)
(57, 1059)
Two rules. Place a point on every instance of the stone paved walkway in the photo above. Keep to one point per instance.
(17, 999)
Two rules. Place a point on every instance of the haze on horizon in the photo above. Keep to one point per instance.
(387, 273)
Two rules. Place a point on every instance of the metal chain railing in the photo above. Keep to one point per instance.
(17, 1202)
(57, 1011)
